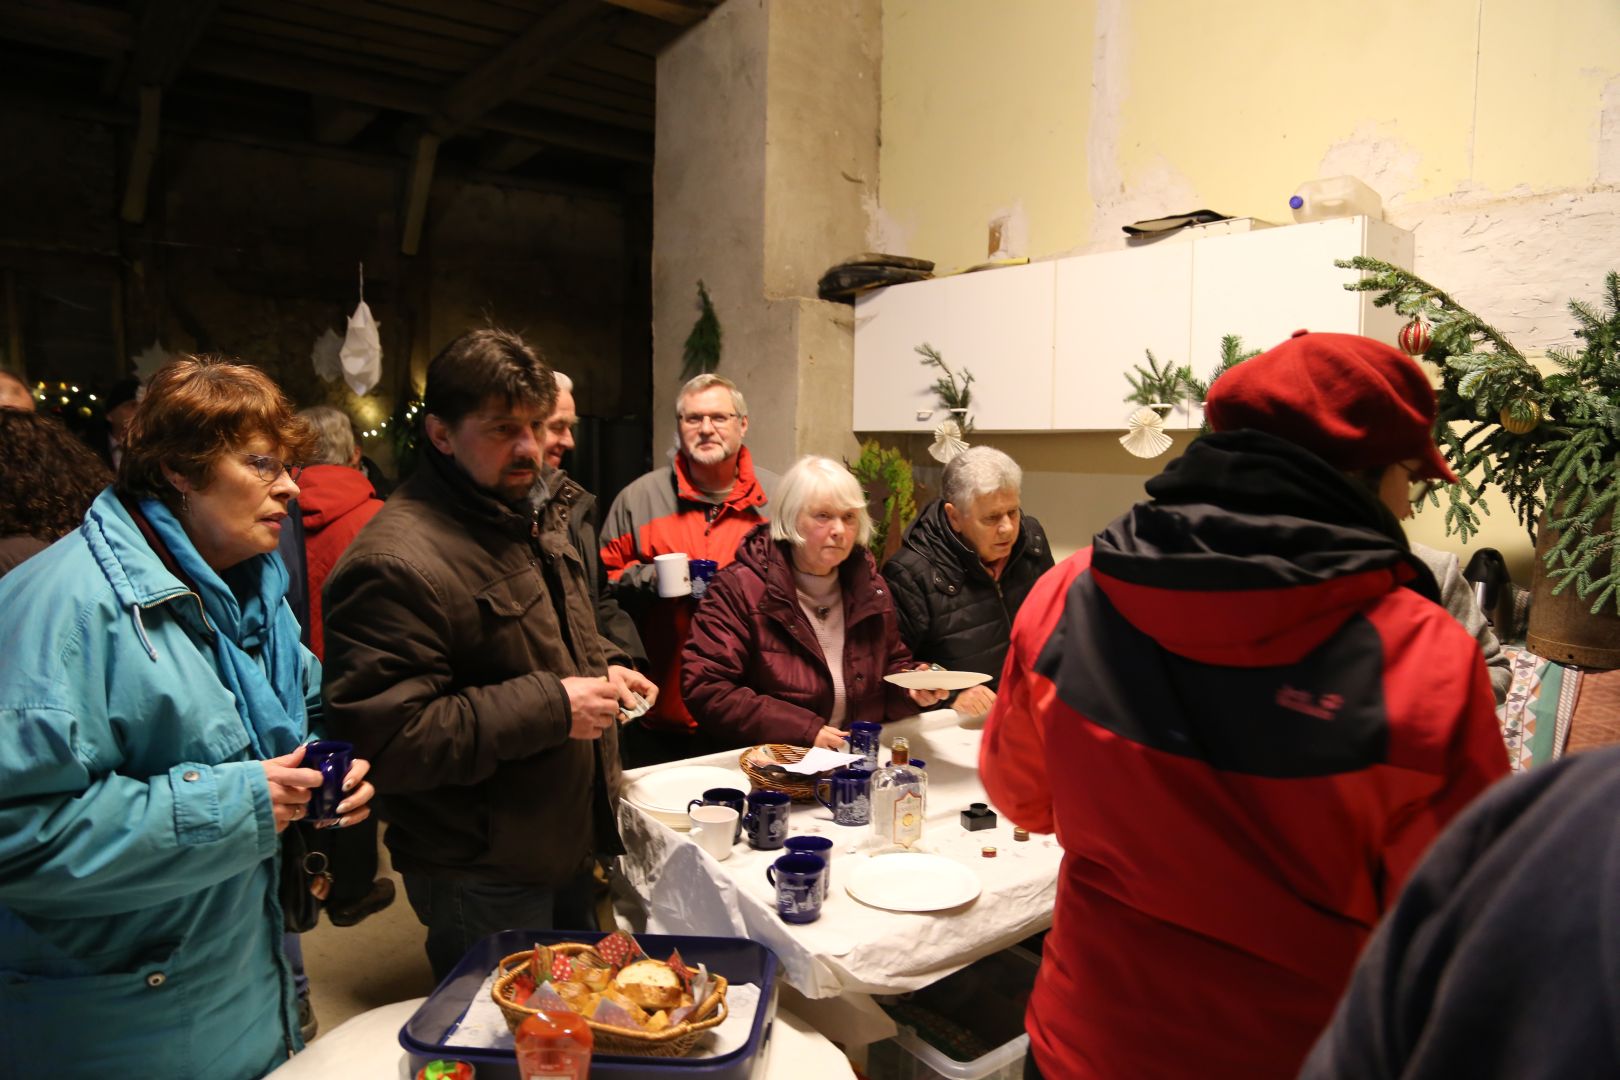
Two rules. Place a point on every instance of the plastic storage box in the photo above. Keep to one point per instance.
(981, 1005)
(738, 959)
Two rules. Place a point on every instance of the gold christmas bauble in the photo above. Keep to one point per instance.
(1521, 427)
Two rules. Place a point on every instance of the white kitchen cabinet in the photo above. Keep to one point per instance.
(996, 324)
(1265, 285)
(1049, 344)
(1110, 309)
(891, 385)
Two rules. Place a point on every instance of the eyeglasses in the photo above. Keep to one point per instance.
(719, 419)
(1419, 491)
(269, 468)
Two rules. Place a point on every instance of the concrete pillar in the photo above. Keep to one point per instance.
(767, 156)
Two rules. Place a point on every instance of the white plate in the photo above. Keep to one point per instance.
(910, 881)
(664, 794)
(936, 680)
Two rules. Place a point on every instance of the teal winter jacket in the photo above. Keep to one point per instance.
(140, 932)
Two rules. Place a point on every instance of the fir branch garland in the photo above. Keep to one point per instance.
(1549, 443)
(953, 395)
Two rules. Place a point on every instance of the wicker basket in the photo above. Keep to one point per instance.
(676, 1040)
(802, 789)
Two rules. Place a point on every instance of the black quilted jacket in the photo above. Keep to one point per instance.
(952, 612)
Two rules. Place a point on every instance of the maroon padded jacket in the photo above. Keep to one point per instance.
(752, 671)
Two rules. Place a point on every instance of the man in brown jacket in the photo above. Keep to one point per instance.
(463, 660)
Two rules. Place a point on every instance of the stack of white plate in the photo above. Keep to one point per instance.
(664, 795)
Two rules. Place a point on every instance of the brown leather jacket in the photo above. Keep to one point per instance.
(450, 622)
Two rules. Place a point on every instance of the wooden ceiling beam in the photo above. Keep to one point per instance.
(554, 39)
(142, 155)
(503, 153)
(676, 12)
(168, 31)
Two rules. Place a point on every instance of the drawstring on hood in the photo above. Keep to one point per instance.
(140, 630)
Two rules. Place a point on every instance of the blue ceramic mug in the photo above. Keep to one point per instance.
(847, 793)
(766, 821)
(332, 759)
(700, 571)
(863, 739)
(815, 845)
(799, 886)
(724, 796)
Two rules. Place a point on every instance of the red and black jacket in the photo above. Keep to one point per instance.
(1245, 718)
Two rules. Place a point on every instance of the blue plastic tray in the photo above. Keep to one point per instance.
(738, 959)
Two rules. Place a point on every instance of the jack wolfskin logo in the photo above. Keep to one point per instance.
(1325, 707)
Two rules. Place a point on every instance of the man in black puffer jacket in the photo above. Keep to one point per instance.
(965, 566)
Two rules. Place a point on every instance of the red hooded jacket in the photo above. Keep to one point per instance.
(1245, 722)
(336, 501)
(753, 671)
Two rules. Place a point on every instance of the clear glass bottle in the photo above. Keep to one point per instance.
(899, 799)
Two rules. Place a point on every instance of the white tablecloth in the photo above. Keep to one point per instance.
(853, 948)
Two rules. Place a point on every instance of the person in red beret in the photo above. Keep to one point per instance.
(1245, 717)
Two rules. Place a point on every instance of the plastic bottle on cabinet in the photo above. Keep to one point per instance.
(553, 1046)
(1335, 197)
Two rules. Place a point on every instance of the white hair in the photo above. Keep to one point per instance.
(334, 435)
(699, 383)
(565, 385)
(815, 482)
(980, 470)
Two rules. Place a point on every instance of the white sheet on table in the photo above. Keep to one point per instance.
(483, 1026)
(853, 947)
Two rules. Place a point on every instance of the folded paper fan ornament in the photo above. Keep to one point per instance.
(361, 354)
(1146, 437)
(327, 355)
(948, 442)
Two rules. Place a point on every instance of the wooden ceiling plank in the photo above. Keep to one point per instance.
(441, 23)
(264, 29)
(69, 27)
(407, 40)
(168, 31)
(620, 62)
(315, 77)
(675, 12)
(500, 17)
(603, 80)
(553, 39)
(420, 183)
(503, 153)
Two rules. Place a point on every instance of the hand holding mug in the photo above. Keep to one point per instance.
(832, 738)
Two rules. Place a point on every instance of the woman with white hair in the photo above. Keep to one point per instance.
(793, 639)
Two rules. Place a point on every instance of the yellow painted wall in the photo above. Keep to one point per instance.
(1089, 114)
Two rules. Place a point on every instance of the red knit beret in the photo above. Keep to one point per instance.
(1354, 402)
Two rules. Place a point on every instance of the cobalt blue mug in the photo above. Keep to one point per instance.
(799, 886)
(821, 846)
(847, 793)
(332, 759)
(723, 796)
(863, 739)
(766, 821)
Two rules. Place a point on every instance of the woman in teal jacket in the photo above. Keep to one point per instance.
(153, 703)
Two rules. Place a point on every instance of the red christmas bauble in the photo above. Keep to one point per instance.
(1415, 338)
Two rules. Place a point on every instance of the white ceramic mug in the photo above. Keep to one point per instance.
(714, 828)
(674, 577)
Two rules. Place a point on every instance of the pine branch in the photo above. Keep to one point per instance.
(702, 350)
(952, 395)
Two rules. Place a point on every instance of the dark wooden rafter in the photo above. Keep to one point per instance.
(335, 122)
(165, 36)
(554, 39)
